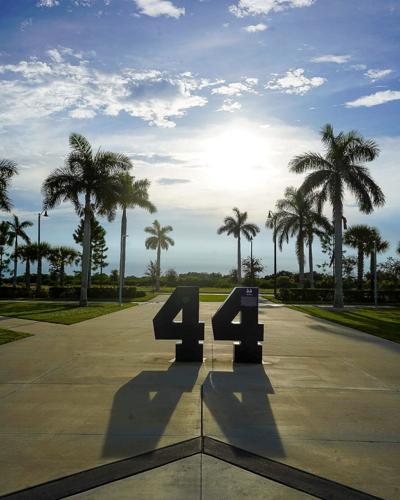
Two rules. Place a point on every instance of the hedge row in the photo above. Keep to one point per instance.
(326, 295)
(70, 293)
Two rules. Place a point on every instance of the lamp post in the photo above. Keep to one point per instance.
(251, 257)
(39, 257)
(122, 267)
(272, 217)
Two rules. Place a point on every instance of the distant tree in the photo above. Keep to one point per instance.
(89, 181)
(237, 226)
(171, 277)
(157, 241)
(251, 268)
(17, 230)
(59, 257)
(340, 167)
(28, 254)
(358, 237)
(114, 277)
(99, 257)
(297, 215)
(152, 273)
(375, 246)
(8, 169)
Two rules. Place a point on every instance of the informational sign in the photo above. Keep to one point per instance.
(248, 333)
(190, 331)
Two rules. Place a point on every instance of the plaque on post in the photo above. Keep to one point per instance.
(248, 332)
(190, 331)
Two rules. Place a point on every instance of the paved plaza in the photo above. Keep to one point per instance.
(326, 401)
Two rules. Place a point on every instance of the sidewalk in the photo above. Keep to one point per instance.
(326, 400)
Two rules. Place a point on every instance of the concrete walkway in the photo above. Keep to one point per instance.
(326, 400)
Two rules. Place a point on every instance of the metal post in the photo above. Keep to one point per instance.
(375, 278)
(274, 257)
(251, 258)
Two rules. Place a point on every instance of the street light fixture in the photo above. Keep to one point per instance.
(39, 257)
(272, 217)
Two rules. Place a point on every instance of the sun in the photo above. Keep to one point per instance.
(231, 152)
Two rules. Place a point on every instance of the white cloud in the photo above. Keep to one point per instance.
(67, 84)
(47, 3)
(237, 88)
(295, 82)
(254, 28)
(230, 105)
(256, 7)
(155, 8)
(377, 74)
(331, 58)
(375, 99)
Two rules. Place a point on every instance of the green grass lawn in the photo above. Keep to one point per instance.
(7, 336)
(66, 314)
(383, 323)
(212, 298)
(147, 297)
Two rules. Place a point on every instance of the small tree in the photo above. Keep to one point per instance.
(152, 272)
(251, 267)
(171, 277)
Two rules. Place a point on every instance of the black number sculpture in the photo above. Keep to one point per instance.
(248, 332)
(190, 331)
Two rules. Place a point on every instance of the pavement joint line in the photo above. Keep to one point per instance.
(287, 475)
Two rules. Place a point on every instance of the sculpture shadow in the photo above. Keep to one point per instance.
(142, 409)
(240, 410)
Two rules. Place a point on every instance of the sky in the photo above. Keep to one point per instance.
(209, 98)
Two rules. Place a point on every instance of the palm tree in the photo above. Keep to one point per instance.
(375, 245)
(316, 225)
(5, 240)
(62, 256)
(358, 237)
(17, 230)
(238, 225)
(157, 241)
(130, 194)
(340, 167)
(297, 215)
(8, 169)
(28, 253)
(92, 176)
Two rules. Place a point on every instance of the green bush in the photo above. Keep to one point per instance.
(326, 295)
(284, 282)
(9, 292)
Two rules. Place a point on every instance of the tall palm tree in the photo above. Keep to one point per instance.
(5, 241)
(316, 225)
(8, 169)
(297, 215)
(28, 253)
(237, 226)
(340, 168)
(91, 176)
(358, 237)
(17, 230)
(62, 256)
(157, 241)
(131, 193)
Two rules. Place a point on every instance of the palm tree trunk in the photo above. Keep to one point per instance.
(39, 272)
(122, 254)
(15, 261)
(86, 252)
(28, 273)
(311, 262)
(239, 262)
(337, 221)
(360, 267)
(158, 267)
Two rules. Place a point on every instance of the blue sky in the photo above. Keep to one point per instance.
(210, 99)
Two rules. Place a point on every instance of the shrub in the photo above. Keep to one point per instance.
(326, 295)
(284, 282)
